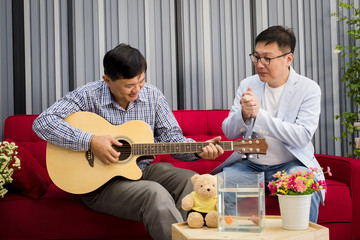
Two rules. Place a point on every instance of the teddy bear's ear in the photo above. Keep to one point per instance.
(194, 178)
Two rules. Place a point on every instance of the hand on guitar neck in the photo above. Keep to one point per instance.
(212, 151)
(102, 148)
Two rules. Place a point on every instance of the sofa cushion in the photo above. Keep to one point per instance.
(61, 218)
(19, 128)
(337, 192)
(30, 179)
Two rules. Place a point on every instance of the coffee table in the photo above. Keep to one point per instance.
(272, 231)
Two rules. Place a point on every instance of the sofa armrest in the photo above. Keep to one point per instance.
(343, 169)
(346, 170)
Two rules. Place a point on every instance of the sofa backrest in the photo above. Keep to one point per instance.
(200, 125)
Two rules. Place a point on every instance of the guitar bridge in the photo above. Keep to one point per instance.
(89, 155)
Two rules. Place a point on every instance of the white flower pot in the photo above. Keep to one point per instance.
(295, 211)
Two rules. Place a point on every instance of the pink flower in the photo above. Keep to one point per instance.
(322, 183)
(272, 187)
(328, 171)
(315, 187)
(300, 186)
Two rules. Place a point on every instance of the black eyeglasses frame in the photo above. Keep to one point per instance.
(253, 57)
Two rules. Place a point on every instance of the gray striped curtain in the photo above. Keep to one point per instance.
(197, 50)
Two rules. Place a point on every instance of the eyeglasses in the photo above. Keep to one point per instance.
(264, 60)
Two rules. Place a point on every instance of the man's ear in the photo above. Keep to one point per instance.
(106, 79)
(289, 58)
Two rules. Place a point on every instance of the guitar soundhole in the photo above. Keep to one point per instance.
(125, 150)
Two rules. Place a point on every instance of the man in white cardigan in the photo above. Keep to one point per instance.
(279, 105)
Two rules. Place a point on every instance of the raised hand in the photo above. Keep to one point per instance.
(249, 104)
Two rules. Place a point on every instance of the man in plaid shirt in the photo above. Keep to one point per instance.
(121, 96)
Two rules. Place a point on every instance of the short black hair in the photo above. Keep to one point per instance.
(124, 62)
(284, 37)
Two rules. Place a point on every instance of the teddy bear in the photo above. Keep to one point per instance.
(201, 204)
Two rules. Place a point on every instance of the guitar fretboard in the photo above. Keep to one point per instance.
(173, 148)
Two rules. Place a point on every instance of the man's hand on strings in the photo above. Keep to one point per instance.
(102, 148)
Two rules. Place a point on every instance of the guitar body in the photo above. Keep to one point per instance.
(70, 170)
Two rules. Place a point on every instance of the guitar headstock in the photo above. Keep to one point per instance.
(255, 146)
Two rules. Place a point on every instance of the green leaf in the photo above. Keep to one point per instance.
(351, 75)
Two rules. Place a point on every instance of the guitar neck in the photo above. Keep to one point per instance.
(173, 148)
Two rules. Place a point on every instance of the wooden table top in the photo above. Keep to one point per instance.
(272, 231)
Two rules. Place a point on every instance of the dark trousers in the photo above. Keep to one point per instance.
(155, 199)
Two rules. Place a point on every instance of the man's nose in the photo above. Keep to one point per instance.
(137, 88)
(260, 64)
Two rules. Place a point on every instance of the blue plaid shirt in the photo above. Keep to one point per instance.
(151, 107)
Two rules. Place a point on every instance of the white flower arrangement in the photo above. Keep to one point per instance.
(7, 155)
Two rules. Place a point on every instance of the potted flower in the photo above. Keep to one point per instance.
(294, 192)
(7, 156)
(296, 183)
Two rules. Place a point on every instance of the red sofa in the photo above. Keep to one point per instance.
(34, 208)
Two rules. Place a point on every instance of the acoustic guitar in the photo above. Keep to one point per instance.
(81, 172)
